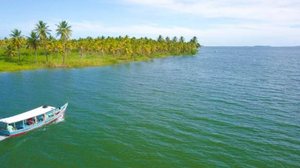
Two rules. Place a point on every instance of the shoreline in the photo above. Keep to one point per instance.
(19, 53)
(91, 61)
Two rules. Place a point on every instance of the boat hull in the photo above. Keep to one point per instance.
(2, 137)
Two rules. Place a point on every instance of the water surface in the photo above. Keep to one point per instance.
(225, 107)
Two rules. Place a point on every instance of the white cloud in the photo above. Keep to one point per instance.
(97, 28)
(222, 34)
(242, 34)
(267, 22)
(255, 22)
(275, 11)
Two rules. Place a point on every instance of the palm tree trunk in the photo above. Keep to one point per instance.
(64, 54)
(35, 52)
(81, 52)
(46, 55)
(19, 55)
(64, 57)
(45, 52)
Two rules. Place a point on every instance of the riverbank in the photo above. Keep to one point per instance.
(73, 60)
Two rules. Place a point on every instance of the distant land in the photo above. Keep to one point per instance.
(41, 49)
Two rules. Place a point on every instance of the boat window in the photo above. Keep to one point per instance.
(50, 114)
(40, 118)
(19, 125)
(3, 126)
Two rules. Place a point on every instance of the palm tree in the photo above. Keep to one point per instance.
(64, 31)
(43, 31)
(181, 39)
(194, 40)
(17, 40)
(10, 51)
(33, 41)
(160, 38)
(168, 39)
(174, 39)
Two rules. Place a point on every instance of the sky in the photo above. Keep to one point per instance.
(214, 22)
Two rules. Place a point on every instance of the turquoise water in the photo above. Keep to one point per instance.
(225, 107)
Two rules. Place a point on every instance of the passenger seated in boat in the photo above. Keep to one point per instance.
(10, 128)
(30, 121)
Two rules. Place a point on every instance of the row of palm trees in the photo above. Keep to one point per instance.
(39, 37)
(41, 42)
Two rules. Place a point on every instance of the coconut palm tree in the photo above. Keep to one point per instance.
(10, 51)
(181, 39)
(33, 42)
(64, 31)
(168, 39)
(194, 40)
(43, 31)
(17, 40)
(174, 39)
(160, 38)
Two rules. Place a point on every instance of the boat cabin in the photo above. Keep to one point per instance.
(26, 121)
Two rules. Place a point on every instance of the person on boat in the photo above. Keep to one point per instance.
(10, 128)
(30, 121)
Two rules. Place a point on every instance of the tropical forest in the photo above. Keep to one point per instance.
(45, 48)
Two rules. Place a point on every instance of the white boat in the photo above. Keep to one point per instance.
(30, 120)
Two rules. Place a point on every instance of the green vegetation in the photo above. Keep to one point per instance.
(41, 50)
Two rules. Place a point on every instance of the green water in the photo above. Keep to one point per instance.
(225, 107)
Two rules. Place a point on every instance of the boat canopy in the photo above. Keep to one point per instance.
(26, 115)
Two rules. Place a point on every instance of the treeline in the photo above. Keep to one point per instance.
(41, 42)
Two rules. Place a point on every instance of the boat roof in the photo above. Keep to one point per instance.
(28, 114)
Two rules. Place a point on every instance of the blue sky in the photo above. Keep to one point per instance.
(214, 22)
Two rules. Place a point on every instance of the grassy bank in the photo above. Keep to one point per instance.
(73, 60)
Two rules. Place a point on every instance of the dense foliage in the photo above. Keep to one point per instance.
(40, 42)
